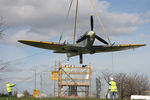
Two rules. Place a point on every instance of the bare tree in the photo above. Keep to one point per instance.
(26, 93)
(2, 28)
(107, 76)
(136, 84)
(3, 65)
(130, 84)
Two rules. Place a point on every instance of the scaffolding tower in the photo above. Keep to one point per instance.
(73, 81)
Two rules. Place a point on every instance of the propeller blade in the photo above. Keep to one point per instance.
(92, 23)
(82, 38)
(100, 39)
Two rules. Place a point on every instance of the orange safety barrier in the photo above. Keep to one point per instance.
(36, 93)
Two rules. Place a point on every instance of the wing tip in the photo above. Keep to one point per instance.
(23, 40)
(140, 44)
(31, 41)
(20, 41)
(144, 44)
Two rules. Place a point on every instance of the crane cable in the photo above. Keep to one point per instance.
(100, 21)
(75, 25)
(112, 62)
(66, 19)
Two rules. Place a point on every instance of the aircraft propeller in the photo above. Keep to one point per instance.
(91, 33)
(85, 36)
(100, 39)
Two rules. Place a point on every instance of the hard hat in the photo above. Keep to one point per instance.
(111, 78)
(7, 82)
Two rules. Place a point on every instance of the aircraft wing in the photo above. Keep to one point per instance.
(75, 49)
(57, 47)
(99, 49)
(103, 48)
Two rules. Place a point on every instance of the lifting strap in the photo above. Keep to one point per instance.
(66, 19)
(100, 21)
(75, 22)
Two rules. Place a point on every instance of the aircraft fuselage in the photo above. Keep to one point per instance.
(87, 43)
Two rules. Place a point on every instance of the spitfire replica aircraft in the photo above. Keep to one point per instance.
(84, 45)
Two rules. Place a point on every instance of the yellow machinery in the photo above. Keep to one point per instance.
(73, 81)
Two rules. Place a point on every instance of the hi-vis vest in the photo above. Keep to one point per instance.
(113, 87)
(9, 87)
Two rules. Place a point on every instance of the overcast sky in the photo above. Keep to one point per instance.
(126, 21)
